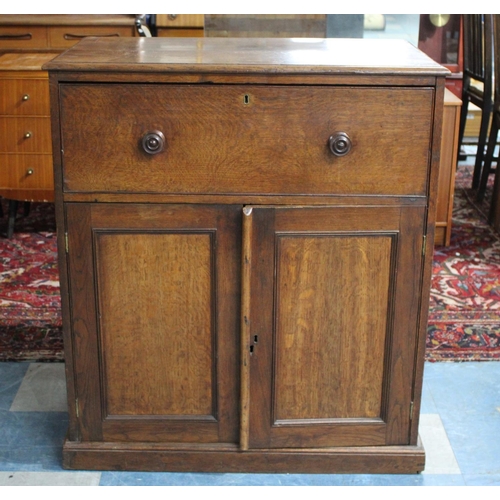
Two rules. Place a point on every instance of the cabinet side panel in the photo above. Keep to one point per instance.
(331, 325)
(156, 330)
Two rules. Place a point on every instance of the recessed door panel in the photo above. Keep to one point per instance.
(157, 322)
(332, 305)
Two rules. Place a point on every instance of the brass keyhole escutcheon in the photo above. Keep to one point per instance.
(246, 99)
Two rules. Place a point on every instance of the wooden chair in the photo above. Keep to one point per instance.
(495, 119)
(477, 81)
(494, 216)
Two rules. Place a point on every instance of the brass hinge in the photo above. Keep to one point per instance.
(66, 242)
(77, 408)
(424, 245)
(411, 410)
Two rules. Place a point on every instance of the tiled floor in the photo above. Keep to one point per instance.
(460, 429)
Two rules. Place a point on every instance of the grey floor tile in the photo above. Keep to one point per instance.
(475, 442)
(31, 458)
(42, 389)
(440, 458)
(25, 429)
(11, 377)
(482, 479)
(427, 404)
(466, 388)
(200, 479)
(49, 478)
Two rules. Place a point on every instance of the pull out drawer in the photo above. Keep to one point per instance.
(23, 37)
(25, 134)
(62, 37)
(24, 96)
(26, 171)
(246, 139)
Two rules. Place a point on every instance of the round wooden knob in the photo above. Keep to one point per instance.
(153, 142)
(340, 144)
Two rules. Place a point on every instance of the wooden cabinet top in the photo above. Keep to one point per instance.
(248, 55)
(66, 19)
(24, 61)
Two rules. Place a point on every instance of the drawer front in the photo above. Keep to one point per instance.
(66, 36)
(25, 135)
(180, 20)
(26, 172)
(24, 97)
(245, 139)
(23, 37)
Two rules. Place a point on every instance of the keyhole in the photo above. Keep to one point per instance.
(246, 99)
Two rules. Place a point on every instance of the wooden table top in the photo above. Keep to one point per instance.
(24, 61)
(245, 55)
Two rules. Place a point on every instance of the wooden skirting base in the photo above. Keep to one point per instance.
(155, 457)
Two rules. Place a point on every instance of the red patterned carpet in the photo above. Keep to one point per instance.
(30, 304)
(464, 320)
(464, 314)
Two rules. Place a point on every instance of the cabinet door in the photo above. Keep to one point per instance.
(330, 299)
(154, 293)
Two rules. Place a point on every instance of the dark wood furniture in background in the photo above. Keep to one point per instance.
(447, 167)
(441, 38)
(245, 242)
(266, 25)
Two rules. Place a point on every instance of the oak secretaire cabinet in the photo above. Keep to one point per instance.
(245, 236)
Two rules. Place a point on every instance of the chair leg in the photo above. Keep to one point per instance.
(487, 157)
(481, 144)
(463, 120)
(13, 205)
(494, 215)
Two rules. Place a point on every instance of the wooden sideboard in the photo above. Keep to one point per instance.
(26, 172)
(57, 32)
(447, 168)
(184, 25)
(245, 233)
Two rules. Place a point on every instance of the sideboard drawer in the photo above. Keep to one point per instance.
(30, 171)
(246, 139)
(24, 96)
(25, 134)
(66, 36)
(23, 37)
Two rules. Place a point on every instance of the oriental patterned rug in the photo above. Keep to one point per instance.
(30, 304)
(464, 314)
